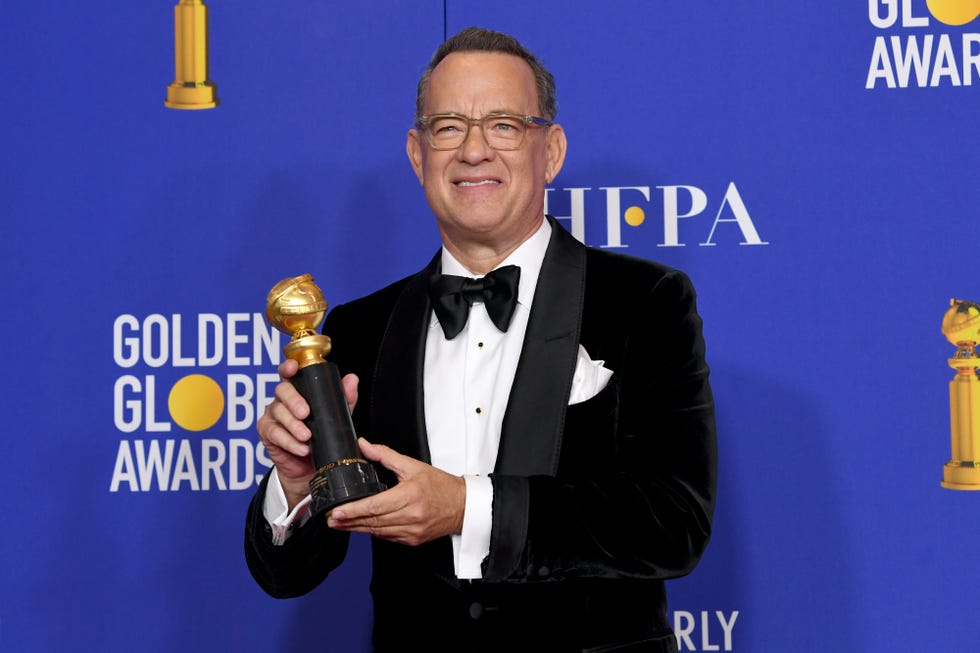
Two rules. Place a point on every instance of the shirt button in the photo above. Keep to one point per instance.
(478, 410)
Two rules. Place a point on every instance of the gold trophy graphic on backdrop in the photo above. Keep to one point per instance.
(296, 307)
(191, 88)
(961, 326)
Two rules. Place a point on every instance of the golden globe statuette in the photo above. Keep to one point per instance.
(961, 326)
(296, 307)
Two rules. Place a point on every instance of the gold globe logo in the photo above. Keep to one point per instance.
(196, 402)
(954, 12)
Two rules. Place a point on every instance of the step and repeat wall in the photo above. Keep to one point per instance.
(813, 168)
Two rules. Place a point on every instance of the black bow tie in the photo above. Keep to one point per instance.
(452, 297)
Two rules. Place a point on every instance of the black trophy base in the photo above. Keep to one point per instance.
(341, 482)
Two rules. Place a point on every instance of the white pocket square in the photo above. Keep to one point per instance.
(590, 377)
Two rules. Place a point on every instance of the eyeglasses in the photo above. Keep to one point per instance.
(501, 131)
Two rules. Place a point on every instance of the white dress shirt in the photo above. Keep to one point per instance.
(466, 383)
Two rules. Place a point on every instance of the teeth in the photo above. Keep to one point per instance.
(476, 183)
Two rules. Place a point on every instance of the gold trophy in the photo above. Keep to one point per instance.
(961, 326)
(191, 88)
(296, 307)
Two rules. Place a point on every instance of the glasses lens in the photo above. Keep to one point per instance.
(504, 132)
(447, 132)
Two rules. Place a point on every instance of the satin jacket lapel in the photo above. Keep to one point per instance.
(397, 413)
(530, 439)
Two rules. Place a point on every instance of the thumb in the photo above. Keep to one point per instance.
(386, 456)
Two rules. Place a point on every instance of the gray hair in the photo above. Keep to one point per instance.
(483, 40)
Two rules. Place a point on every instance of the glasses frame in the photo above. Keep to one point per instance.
(422, 124)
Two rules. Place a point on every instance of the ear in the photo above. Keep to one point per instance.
(415, 153)
(555, 153)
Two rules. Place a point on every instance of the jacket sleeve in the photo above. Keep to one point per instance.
(299, 565)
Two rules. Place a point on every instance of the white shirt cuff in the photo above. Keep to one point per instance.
(277, 513)
(473, 545)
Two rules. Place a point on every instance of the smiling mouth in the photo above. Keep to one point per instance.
(482, 182)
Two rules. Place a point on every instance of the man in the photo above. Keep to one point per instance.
(547, 467)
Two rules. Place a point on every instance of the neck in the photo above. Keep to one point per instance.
(481, 255)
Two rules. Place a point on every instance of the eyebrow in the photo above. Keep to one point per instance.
(492, 111)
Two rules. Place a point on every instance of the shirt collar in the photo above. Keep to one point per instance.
(528, 256)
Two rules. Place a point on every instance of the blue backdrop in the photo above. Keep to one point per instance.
(813, 168)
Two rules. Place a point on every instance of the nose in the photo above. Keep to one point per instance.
(475, 148)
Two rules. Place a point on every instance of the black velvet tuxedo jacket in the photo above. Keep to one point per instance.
(595, 504)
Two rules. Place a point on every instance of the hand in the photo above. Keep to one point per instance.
(286, 437)
(427, 503)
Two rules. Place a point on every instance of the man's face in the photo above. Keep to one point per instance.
(478, 194)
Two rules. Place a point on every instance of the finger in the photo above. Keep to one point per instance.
(276, 436)
(369, 510)
(401, 525)
(279, 414)
(350, 382)
(288, 369)
(400, 464)
(397, 534)
(289, 396)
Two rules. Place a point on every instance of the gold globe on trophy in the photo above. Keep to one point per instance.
(961, 326)
(295, 306)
